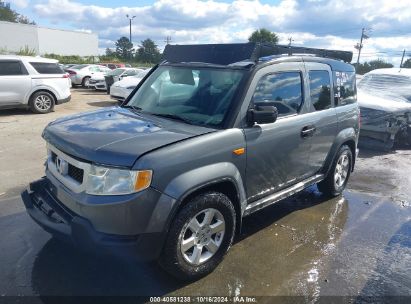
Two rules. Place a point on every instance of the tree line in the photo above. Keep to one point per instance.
(7, 14)
(146, 52)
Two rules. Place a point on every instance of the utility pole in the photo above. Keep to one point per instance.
(167, 40)
(130, 18)
(402, 59)
(290, 39)
(359, 46)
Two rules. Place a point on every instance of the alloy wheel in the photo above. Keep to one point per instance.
(202, 236)
(341, 170)
(43, 103)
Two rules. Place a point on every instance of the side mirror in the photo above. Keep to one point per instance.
(262, 113)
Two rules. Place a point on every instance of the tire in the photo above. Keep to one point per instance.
(191, 263)
(85, 82)
(42, 102)
(337, 178)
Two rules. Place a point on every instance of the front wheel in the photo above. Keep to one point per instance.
(200, 235)
(338, 176)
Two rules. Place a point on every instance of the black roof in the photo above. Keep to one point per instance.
(225, 54)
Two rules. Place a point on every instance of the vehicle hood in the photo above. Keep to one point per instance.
(115, 136)
(127, 82)
(382, 102)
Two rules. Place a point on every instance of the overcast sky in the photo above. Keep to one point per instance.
(331, 24)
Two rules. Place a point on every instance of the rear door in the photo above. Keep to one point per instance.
(51, 75)
(324, 118)
(15, 82)
(276, 152)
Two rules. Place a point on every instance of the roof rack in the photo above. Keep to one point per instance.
(224, 54)
(275, 49)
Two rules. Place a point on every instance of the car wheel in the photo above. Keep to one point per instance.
(200, 235)
(42, 103)
(338, 176)
(86, 82)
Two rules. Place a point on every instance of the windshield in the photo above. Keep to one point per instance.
(200, 96)
(394, 87)
(116, 72)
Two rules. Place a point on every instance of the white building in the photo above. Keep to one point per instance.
(15, 36)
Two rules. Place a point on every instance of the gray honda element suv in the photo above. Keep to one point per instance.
(212, 134)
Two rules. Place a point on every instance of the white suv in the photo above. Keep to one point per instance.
(32, 82)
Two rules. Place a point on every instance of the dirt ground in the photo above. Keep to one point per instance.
(357, 245)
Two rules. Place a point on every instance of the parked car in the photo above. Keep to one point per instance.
(384, 96)
(122, 88)
(32, 82)
(98, 82)
(214, 133)
(68, 66)
(80, 74)
(113, 66)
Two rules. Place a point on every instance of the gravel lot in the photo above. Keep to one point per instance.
(354, 245)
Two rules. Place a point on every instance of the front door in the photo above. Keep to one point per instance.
(277, 153)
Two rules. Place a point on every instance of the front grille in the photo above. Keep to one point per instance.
(75, 173)
(53, 157)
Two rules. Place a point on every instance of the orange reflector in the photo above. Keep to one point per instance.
(239, 151)
(143, 180)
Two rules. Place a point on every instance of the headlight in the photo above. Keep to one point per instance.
(131, 88)
(111, 181)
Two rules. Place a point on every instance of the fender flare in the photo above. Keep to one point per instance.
(42, 88)
(191, 181)
(345, 135)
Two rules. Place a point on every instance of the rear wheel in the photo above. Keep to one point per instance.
(86, 82)
(199, 237)
(338, 176)
(41, 103)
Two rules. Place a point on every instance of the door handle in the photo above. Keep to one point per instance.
(308, 131)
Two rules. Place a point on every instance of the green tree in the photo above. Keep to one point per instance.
(24, 20)
(263, 36)
(7, 14)
(148, 52)
(124, 48)
(407, 63)
(366, 67)
(110, 52)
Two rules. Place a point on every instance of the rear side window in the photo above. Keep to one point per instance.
(320, 89)
(47, 68)
(346, 90)
(10, 68)
(284, 89)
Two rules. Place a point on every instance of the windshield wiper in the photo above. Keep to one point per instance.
(137, 109)
(132, 107)
(172, 116)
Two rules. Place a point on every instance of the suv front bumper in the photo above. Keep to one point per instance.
(54, 217)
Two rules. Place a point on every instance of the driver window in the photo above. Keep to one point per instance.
(284, 89)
